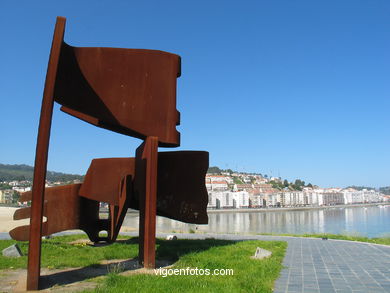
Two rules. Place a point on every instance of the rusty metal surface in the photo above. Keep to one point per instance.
(130, 91)
(181, 190)
(109, 180)
(38, 189)
(145, 189)
(103, 178)
(118, 213)
(64, 210)
(181, 194)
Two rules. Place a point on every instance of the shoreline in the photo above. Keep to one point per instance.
(250, 210)
(273, 209)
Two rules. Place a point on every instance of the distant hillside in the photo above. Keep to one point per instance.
(25, 172)
(217, 170)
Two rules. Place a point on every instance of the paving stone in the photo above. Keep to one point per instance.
(327, 290)
(262, 253)
(12, 251)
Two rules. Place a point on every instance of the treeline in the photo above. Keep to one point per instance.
(25, 172)
(361, 187)
(218, 171)
(296, 185)
(385, 190)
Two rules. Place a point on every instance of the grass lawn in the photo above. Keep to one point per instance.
(381, 240)
(249, 275)
(58, 253)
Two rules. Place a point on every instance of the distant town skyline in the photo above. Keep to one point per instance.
(292, 89)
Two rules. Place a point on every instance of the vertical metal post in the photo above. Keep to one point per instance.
(146, 185)
(38, 189)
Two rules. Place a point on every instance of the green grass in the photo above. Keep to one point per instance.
(250, 275)
(382, 240)
(57, 253)
(351, 237)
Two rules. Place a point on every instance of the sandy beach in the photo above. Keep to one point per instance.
(7, 223)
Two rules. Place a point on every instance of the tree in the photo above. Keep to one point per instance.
(276, 184)
(285, 183)
(15, 197)
(214, 170)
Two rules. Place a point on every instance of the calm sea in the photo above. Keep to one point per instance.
(373, 221)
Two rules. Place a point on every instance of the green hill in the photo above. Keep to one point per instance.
(25, 172)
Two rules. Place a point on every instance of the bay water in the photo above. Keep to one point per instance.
(371, 221)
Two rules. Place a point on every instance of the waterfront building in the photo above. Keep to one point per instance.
(21, 189)
(370, 196)
(6, 196)
(223, 193)
(333, 198)
(352, 196)
(228, 199)
(295, 198)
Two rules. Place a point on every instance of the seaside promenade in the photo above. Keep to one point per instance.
(310, 264)
(313, 265)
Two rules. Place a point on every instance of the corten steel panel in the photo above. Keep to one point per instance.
(110, 180)
(118, 212)
(64, 210)
(145, 188)
(181, 190)
(130, 91)
(103, 178)
(38, 188)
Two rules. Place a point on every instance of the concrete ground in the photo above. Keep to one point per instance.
(316, 265)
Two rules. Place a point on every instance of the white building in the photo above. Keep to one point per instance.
(21, 189)
(294, 198)
(352, 196)
(333, 198)
(228, 199)
(6, 196)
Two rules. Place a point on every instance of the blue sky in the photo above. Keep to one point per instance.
(297, 89)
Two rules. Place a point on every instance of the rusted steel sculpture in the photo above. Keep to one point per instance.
(132, 92)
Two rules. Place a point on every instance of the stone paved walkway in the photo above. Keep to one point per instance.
(334, 266)
(316, 265)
